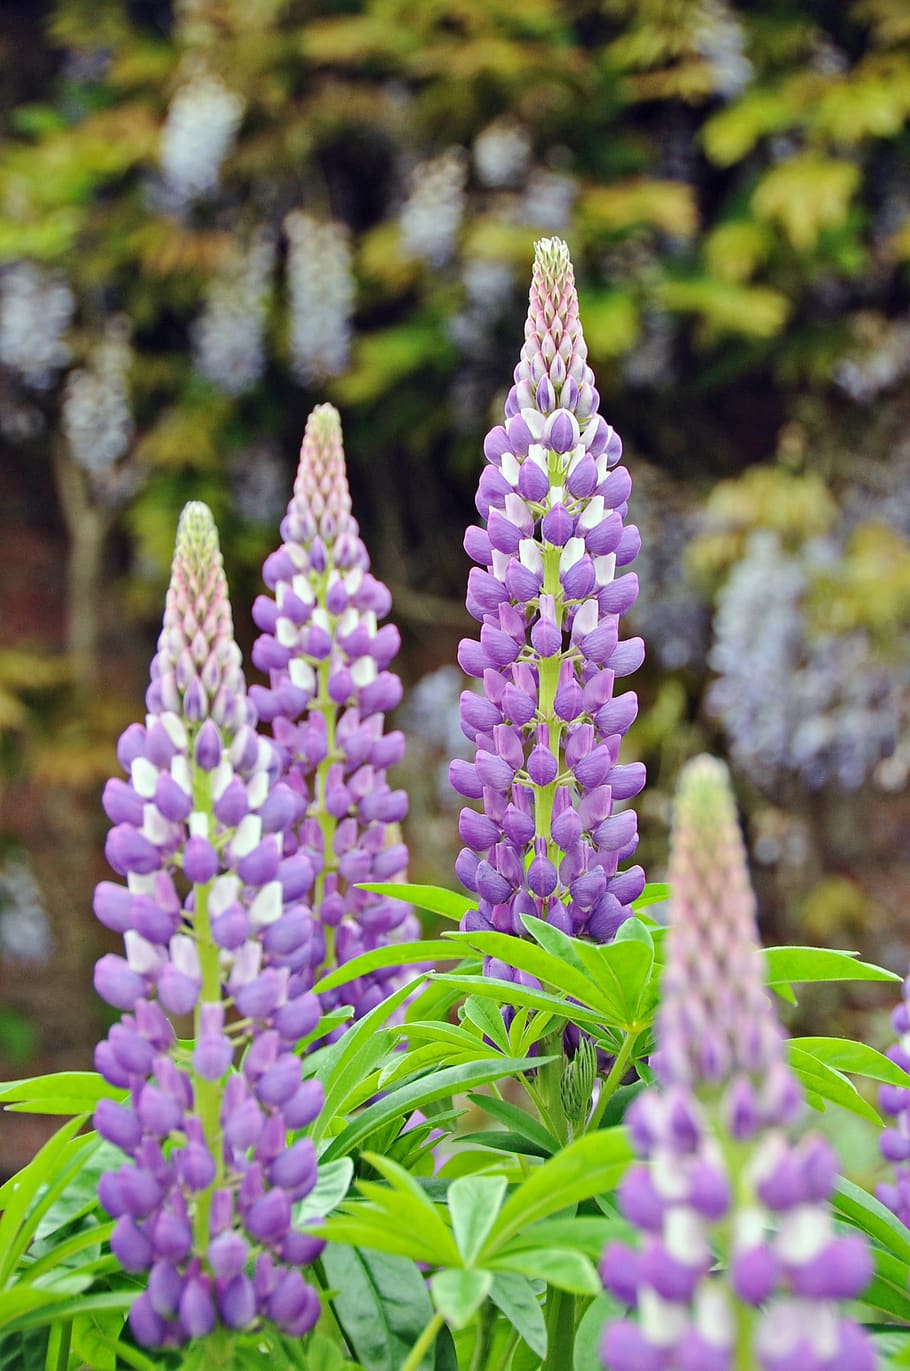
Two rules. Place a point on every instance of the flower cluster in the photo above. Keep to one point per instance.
(214, 926)
(719, 1175)
(548, 727)
(502, 152)
(894, 1100)
(432, 214)
(327, 659)
(229, 336)
(202, 122)
(97, 414)
(321, 287)
(35, 311)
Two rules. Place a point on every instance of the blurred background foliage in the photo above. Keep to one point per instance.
(217, 213)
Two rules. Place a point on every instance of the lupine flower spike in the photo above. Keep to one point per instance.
(211, 929)
(329, 690)
(740, 1267)
(550, 838)
(895, 1101)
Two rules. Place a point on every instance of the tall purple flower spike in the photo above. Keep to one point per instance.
(894, 1100)
(212, 927)
(327, 659)
(548, 727)
(740, 1267)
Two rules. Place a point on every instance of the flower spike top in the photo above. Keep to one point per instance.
(203, 1203)
(740, 1267)
(548, 727)
(329, 689)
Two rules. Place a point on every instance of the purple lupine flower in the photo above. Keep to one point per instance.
(203, 1203)
(740, 1264)
(330, 687)
(894, 1100)
(548, 729)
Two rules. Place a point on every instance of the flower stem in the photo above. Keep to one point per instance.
(617, 1071)
(423, 1343)
(206, 1094)
(560, 1312)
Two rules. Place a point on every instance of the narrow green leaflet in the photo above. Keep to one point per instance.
(823, 1081)
(64, 1092)
(510, 992)
(567, 1270)
(474, 1203)
(843, 1054)
(417, 954)
(514, 1296)
(589, 1165)
(655, 892)
(435, 899)
(458, 1294)
(888, 1288)
(867, 1213)
(786, 964)
(333, 1182)
(518, 1120)
(437, 1085)
(531, 957)
(481, 1013)
(352, 1058)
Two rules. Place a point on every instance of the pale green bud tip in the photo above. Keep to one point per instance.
(324, 424)
(705, 795)
(552, 262)
(196, 531)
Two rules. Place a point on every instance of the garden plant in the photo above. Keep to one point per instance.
(567, 1130)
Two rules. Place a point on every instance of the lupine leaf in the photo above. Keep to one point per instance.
(828, 1084)
(435, 899)
(515, 1118)
(514, 1295)
(557, 1266)
(867, 1213)
(438, 1085)
(858, 1058)
(655, 892)
(416, 954)
(64, 1092)
(788, 964)
(381, 1303)
(458, 1294)
(333, 1181)
(510, 992)
(474, 1203)
(480, 1012)
(353, 1056)
(589, 1165)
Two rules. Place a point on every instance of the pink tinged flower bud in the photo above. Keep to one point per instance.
(128, 852)
(117, 983)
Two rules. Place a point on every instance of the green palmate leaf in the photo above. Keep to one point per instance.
(458, 1294)
(403, 1190)
(419, 955)
(439, 1085)
(590, 1331)
(94, 1339)
(533, 958)
(519, 1121)
(561, 1267)
(382, 1306)
(585, 1233)
(787, 964)
(19, 1197)
(347, 1062)
(372, 1231)
(332, 1184)
(511, 993)
(514, 1296)
(435, 899)
(825, 1083)
(482, 1014)
(64, 1092)
(474, 1203)
(504, 1140)
(619, 970)
(655, 892)
(843, 1054)
(867, 1213)
(588, 1166)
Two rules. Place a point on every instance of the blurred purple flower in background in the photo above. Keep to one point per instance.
(740, 1265)
(548, 727)
(330, 688)
(213, 926)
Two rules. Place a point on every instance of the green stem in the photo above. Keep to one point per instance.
(58, 1346)
(617, 1071)
(510, 1344)
(327, 708)
(206, 1094)
(560, 1311)
(484, 1343)
(423, 1343)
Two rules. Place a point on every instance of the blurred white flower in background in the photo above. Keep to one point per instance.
(321, 291)
(202, 122)
(229, 335)
(36, 308)
(432, 214)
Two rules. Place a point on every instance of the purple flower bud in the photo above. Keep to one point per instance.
(557, 525)
(533, 482)
(148, 1328)
(268, 1218)
(117, 983)
(129, 852)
